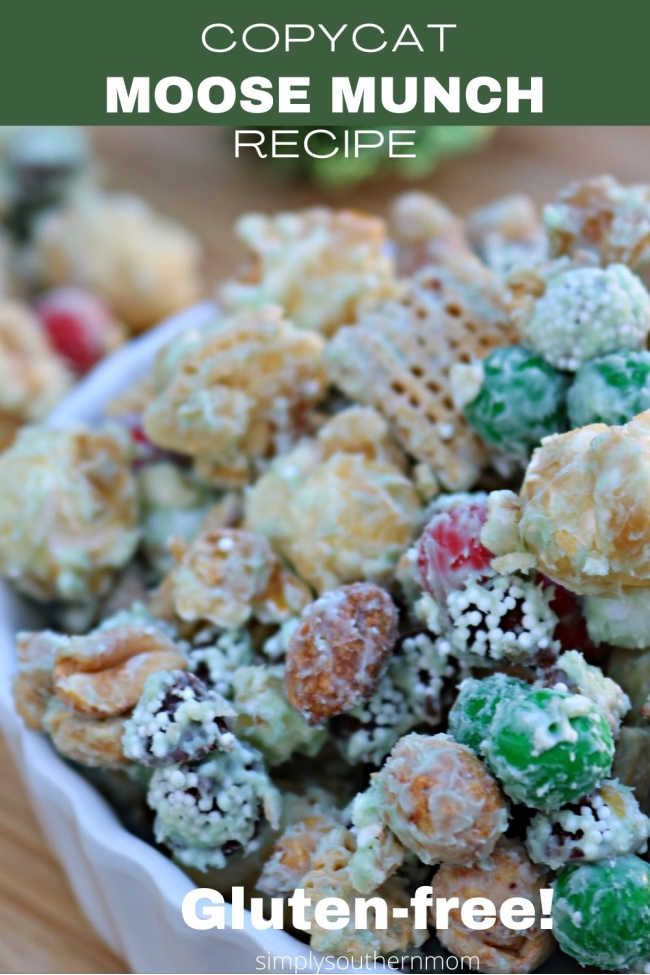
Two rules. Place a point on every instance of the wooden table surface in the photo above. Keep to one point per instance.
(190, 173)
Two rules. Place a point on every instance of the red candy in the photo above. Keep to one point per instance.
(450, 550)
(144, 450)
(79, 325)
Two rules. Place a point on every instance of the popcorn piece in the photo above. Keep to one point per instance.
(284, 596)
(622, 619)
(143, 265)
(601, 913)
(329, 876)
(608, 823)
(266, 719)
(318, 264)
(506, 873)
(32, 687)
(103, 673)
(236, 391)
(603, 219)
(500, 533)
(207, 813)
(584, 515)
(275, 647)
(573, 671)
(229, 575)
(177, 719)
(399, 356)
(32, 377)
(85, 740)
(611, 389)
(378, 854)
(371, 510)
(407, 576)
(337, 653)
(68, 515)
(424, 232)
(576, 313)
(293, 852)
(520, 400)
(359, 430)
(440, 801)
(507, 234)
(219, 575)
(548, 747)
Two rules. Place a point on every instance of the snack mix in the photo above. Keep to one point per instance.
(354, 587)
(81, 269)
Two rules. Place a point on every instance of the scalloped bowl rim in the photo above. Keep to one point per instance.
(53, 785)
(47, 772)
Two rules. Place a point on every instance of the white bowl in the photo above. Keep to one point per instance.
(130, 893)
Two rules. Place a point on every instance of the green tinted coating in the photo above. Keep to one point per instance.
(611, 389)
(471, 716)
(601, 913)
(548, 747)
(522, 400)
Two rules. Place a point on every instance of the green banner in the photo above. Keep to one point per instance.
(257, 64)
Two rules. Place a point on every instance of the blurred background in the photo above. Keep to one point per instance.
(190, 175)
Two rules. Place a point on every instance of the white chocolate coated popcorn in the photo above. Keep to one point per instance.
(143, 265)
(32, 377)
(236, 391)
(68, 511)
(336, 510)
(582, 516)
(621, 619)
(318, 264)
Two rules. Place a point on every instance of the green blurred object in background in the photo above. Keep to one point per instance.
(433, 144)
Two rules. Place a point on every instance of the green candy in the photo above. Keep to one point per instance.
(548, 747)
(521, 400)
(474, 708)
(611, 389)
(601, 913)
